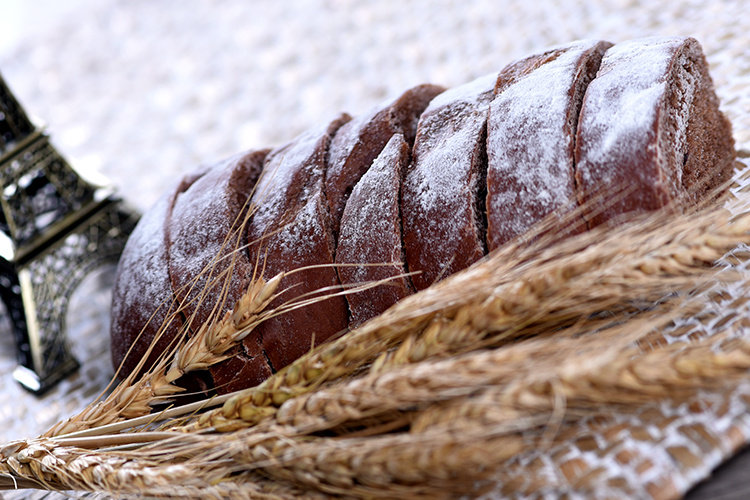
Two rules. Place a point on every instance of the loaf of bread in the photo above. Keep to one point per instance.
(418, 188)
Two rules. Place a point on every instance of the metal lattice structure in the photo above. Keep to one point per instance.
(55, 227)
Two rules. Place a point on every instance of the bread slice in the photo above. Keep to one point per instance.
(208, 265)
(370, 236)
(443, 219)
(650, 133)
(531, 139)
(358, 142)
(205, 237)
(142, 298)
(290, 230)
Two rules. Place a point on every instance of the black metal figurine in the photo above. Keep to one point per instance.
(55, 227)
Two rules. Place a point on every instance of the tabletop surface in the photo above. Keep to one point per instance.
(143, 91)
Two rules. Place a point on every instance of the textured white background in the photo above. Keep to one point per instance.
(143, 90)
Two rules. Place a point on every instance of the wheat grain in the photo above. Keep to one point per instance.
(437, 456)
(511, 296)
(436, 408)
(207, 347)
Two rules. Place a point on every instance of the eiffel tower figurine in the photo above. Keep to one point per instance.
(55, 227)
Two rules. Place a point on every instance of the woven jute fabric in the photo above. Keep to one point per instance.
(143, 91)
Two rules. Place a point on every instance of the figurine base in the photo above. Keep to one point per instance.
(30, 380)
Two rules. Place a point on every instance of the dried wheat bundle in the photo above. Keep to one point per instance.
(446, 392)
(518, 292)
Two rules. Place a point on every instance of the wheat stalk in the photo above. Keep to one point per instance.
(418, 462)
(415, 386)
(207, 347)
(435, 394)
(476, 434)
(511, 296)
(626, 378)
(471, 378)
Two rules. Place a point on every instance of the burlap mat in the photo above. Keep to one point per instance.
(142, 91)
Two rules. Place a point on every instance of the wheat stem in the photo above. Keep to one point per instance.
(497, 420)
(538, 293)
(207, 347)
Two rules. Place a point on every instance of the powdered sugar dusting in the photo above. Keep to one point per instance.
(193, 206)
(446, 141)
(356, 144)
(529, 145)
(291, 174)
(200, 233)
(196, 240)
(439, 174)
(375, 215)
(295, 240)
(466, 94)
(621, 104)
(143, 278)
(441, 184)
(352, 150)
(371, 234)
(347, 138)
(142, 296)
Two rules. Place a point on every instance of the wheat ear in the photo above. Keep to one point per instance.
(510, 296)
(205, 348)
(413, 387)
(429, 459)
(475, 434)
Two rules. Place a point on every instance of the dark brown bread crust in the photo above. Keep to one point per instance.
(649, 128)
(358, 142)
(371, 234)
(537, 105)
